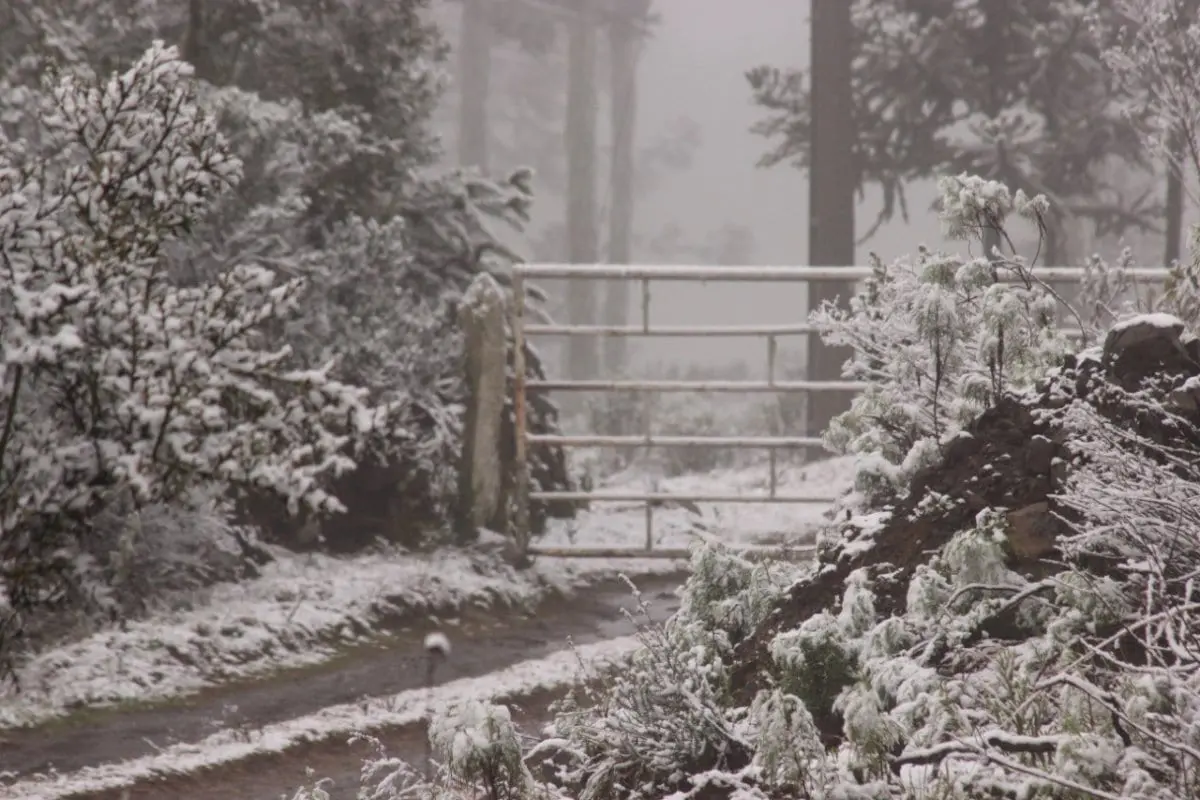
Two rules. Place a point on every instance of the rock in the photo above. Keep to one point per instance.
(1150, 345)
(1039, 455)
(1185, 399)
(1032, 531)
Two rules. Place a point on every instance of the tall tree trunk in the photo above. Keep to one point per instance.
(474, 64)
(582, 239)
(195, 41)
(623, 56)
(832, 181)
(1174, 235)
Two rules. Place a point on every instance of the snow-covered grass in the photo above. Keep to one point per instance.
(406, 708)
(301, 612)
(675, 526)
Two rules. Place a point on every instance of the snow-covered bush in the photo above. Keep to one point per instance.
(328, 108)
(477, 746)
(667, 713)
(1109, 294)
(120, 385)
(940, 337)
(477, 753)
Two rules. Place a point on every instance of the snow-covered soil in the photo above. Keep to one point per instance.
(336, 722)
(304, 610)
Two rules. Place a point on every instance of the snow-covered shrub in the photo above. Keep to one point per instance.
(328, 107)
(1109, 294)
(940, 337)
(477, 746)
(380, 293)
(120, 385)
(667, 713)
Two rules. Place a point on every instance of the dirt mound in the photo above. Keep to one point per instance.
(1013, 457)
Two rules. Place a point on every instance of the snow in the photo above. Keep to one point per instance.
(342, 721)
(305, 608)
(622, 525)
(1158, 320)
(437, 643)
(300, 612)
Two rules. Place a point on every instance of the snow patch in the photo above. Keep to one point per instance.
(300, 612)
(406, 708)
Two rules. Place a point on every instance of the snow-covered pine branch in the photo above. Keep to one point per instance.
(939, 338)
(117, 380)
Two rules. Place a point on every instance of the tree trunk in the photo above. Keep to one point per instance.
(623, 55)
(195, 42)
(582, 239)
(832, 181)
(1174, 235)
(474, 64)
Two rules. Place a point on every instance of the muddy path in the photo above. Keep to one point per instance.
(337, 762)
(482, 643)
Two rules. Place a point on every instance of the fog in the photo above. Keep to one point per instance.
(693, 68)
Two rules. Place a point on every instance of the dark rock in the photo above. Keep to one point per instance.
(1148, 346)
(1039, 455)
(1032, 531)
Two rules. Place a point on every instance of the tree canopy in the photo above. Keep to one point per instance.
(1015, 90)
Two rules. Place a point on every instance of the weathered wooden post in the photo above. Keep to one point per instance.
(481, 500)
(521, 526)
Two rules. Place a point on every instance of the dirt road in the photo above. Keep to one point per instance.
(275, 776)
(482, 644)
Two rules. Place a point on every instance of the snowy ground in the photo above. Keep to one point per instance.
(304, 609)
(335, 722)
(622, 524)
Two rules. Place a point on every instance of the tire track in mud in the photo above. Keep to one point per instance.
(482, 644)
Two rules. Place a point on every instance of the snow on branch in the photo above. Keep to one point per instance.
(117, 380)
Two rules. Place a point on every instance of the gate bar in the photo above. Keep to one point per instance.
(666, 498)
(695, 386)
(680, 272)
(671, 553)
(651, 440)
(799, 329)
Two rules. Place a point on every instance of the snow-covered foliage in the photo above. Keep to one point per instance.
(940, 337)
(1152, 49)
(959, 673)
(668, 711)
(120, 385)
(344, 222)
(1109, 294)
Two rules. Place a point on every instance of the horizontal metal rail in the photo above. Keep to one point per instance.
(645, 274)
(650, 440)
(695, 386)
(704, 331)
(666, 498)
(672, 553)
(679, 272)
(670, 330)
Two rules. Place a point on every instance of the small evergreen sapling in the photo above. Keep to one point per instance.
(939, 338)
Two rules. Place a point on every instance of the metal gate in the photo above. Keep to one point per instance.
(772, 333)
(646, 275)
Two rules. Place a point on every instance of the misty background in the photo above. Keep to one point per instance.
(701, 197)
